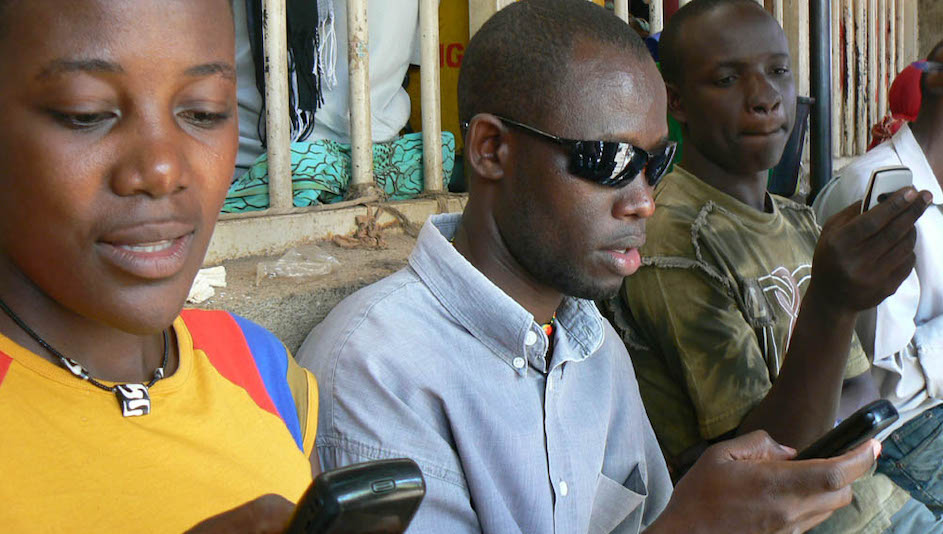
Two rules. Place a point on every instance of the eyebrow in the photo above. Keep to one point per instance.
(65, 66)
(99, 66)
(736, 63)
(223, 69)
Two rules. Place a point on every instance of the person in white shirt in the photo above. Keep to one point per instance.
(904, 334)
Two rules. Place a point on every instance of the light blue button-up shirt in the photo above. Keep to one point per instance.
(437, 364)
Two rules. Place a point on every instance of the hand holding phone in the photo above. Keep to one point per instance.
(884, 181)
(859, 427)
(370, 498)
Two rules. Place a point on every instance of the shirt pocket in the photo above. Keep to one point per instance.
(616, 505)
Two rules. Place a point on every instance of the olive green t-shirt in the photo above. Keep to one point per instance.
(709, 316)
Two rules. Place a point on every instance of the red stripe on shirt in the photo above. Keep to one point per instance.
(4, 366)
(217, 334)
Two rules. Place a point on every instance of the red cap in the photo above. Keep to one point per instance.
(904, 96)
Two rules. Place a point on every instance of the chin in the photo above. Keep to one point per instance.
(145, 314)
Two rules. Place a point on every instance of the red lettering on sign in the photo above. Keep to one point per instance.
(451, 55)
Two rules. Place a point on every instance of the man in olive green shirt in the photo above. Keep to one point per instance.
(727, 327)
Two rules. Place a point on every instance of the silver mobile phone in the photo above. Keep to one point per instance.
(885, 181)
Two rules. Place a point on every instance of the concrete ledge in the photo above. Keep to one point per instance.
(290, 308)
(270, 234)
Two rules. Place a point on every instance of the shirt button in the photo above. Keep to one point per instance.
(564, 489)
(519, 363)
(530, 338)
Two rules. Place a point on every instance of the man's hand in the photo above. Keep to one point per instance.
(269, 514)
(861, 258)
(749, 484)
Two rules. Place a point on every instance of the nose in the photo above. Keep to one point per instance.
(635, 200)
(763, 97)
(151, 163)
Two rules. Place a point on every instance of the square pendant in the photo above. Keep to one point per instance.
(135, 400)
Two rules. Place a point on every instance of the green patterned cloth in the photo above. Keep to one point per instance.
(321, 172)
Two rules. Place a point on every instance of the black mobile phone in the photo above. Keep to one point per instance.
(370, 498)
(859, 427)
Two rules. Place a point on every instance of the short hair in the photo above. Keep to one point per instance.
(518, 62)
(670, 48)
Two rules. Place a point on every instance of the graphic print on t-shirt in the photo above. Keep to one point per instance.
(786, 289)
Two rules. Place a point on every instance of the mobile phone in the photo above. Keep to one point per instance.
(884, 181)
(859, 427)
(370, 498)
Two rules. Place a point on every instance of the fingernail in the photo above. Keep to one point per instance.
(910, 194)
(876, 447)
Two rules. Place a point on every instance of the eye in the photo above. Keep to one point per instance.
(81, 121)
(781, 70)
(204, 119)
(726, 81)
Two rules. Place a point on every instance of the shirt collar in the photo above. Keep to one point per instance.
(912, 156)
(489, 314)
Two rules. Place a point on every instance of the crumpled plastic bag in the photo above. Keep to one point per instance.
(309, 261)
(205, 281)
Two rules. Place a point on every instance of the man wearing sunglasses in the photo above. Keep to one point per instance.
(742, 316)
(904, 334)
(486, 361)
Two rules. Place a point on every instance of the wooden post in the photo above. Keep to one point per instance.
(656, 16)
(622, 9)
(900, 21)
(872, 92)
(431, 105)
(882, 59)
(779, 13)
(277, 120)
(361, 136)
(892, 38)
(480, 10)
(838, 103)
(850, 64)
(861, 51)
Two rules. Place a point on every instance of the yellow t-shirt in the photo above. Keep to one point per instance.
(235, 421)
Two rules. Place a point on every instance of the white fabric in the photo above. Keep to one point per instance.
(904, 335)
(394, 45)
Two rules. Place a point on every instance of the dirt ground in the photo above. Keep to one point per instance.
(291, 307)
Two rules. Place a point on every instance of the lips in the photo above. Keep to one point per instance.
(764, 130)
(150, 251)
(624, 256)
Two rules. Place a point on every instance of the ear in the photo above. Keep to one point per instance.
(675, 104)
(486, 146)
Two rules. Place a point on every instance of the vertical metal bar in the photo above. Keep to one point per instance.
(358, 58)
(622, 9)
(821, 130)
(839, 102)
(277, 121)
(656, 16)
(431, 106)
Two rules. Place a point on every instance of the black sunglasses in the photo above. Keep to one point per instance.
(608, 163)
